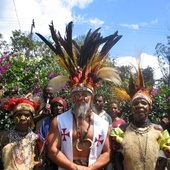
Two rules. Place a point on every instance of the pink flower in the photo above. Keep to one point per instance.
(16, 88)
(52, 74)
(6, 67)
(155, 91)
(2, 70)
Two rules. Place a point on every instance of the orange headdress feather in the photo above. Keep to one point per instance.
(137, 87)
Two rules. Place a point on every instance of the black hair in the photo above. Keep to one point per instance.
(44, 90)
(100, 95)
(116, 102)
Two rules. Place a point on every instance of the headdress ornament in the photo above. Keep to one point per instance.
(86, 65)
(17, 104)
(137, 87)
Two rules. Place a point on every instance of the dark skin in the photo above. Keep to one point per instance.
(99, 103)
(114, 111)
(22, 121)
(140, 110)
(46, 110)
(57, 109)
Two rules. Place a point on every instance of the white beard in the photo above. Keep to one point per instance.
(81, 110)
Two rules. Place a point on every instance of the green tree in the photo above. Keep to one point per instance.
(20, 74)
(29, 45)
(148, 76)
(19, 41)
(3, 43)
(163, 54)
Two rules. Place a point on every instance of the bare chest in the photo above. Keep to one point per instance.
(82, 140)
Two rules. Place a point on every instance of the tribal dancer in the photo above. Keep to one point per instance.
(141, 142)
(79, 138)
(18, 146)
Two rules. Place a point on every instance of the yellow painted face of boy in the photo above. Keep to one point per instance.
(23, 118)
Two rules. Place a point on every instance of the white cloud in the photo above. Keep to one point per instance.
(19, 14)
(132, 26)
(154, 21)
(96, 22)
(146, 60)
(143, 24)
(80, 3)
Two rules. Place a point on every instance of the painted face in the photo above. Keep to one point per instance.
(140, 109)
(23, 119)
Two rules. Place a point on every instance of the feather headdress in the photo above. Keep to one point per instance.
(86, 65)
(137, 88)
(15, 104)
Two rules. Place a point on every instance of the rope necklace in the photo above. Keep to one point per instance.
(143, 154)
(141, 132)
(81, 138)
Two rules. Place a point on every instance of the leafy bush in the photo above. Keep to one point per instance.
(19, 76)
(160, 108)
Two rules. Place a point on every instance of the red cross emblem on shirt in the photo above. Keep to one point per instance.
(63, 133)
(99, 140)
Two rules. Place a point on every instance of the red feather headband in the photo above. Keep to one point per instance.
(16, 104)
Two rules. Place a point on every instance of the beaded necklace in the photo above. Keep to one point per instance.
(23, 147)
(140, 131)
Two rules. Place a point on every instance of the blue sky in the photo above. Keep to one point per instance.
(143, 23)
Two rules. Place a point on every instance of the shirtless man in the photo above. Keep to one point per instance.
(79, 138)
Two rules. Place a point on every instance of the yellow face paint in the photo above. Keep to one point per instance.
(139, 104)
(22, 118)
(28, 119)
(17, 119)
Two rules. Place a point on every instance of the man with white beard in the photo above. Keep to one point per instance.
(79, 138)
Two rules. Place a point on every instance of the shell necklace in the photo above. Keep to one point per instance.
(81, 138)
